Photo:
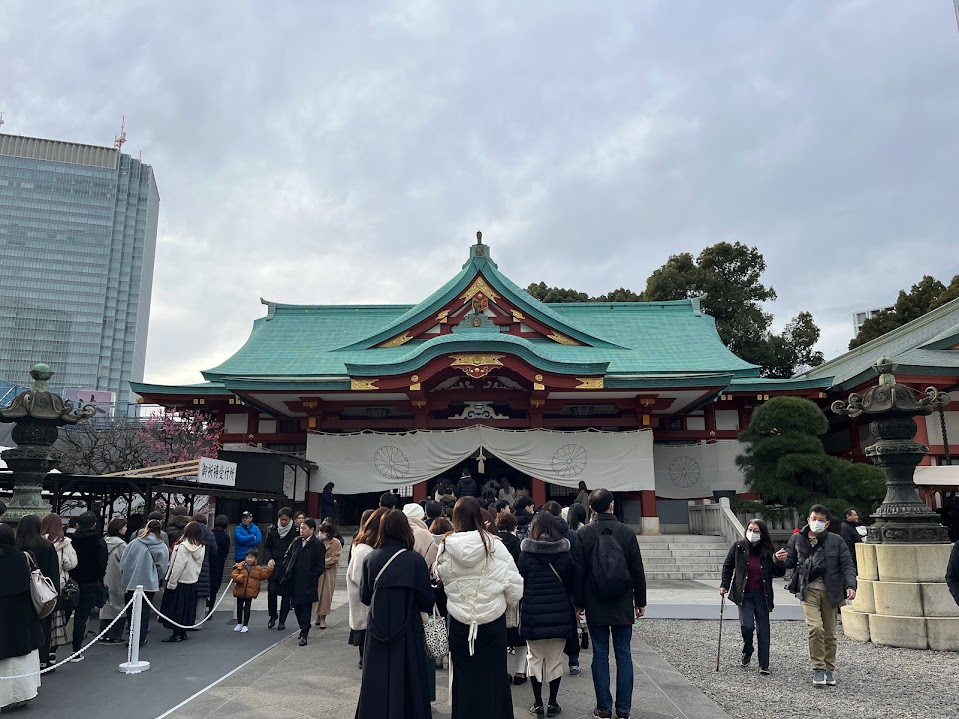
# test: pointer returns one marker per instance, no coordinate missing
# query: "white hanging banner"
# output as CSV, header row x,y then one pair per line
x,y
374,461
695,471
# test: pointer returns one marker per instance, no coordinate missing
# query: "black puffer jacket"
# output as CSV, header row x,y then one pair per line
x,y
466,487
546,612
204,585
736,570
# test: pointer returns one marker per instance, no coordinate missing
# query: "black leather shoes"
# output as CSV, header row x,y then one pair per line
x,y
281,627
271,624
302,641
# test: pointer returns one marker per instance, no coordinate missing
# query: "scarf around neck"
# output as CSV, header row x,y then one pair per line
x,y
283,531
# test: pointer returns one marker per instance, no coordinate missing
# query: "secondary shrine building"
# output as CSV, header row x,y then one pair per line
x,y
640,397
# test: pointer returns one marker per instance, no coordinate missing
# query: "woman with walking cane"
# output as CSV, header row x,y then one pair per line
x,y
748,578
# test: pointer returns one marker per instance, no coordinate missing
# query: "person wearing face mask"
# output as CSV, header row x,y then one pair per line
x,y
852,532
824,577
748,579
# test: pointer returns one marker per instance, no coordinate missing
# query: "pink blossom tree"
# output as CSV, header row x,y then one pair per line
x,y
181,435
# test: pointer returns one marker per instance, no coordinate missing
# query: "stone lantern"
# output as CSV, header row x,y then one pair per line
x,y
902,599
36,414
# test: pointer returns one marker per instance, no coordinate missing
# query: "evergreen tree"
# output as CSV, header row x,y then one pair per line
x,y
924,296
785,464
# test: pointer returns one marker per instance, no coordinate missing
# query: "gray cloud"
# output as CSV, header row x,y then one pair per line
x,y
346,153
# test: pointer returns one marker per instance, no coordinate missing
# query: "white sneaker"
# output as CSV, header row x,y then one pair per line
x,y
77,658
238,628
244,630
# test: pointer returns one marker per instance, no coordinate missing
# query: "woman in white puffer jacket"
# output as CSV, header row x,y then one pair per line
x,y
480,579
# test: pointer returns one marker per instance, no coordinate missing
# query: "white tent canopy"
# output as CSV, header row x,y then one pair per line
x,y
374,461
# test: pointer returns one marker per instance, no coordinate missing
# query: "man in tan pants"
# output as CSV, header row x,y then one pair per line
x,y
824,577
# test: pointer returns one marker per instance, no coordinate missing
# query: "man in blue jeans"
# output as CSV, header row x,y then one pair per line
x,y
611,587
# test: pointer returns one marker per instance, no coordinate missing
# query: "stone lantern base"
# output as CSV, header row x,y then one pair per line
x,y
902,599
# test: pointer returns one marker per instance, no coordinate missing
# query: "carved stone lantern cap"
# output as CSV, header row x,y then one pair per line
x,y
890,397
39,403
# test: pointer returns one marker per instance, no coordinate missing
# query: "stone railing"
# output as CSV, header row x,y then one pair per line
x,y
715,519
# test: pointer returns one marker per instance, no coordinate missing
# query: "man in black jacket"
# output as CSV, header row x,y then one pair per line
x,y
849,531
609,547
88,574
825,576
278,539
952,572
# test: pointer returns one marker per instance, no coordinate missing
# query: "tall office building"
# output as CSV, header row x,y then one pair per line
x,y
78,226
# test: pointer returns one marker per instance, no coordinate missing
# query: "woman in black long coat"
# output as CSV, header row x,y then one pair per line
x,y
396,587
21,635
300,581
44,554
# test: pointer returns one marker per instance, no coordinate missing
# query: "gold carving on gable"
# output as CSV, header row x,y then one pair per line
x,y
476,365
479,286
476,360
590,383
363,384
397,341
517,315
562,339
443,317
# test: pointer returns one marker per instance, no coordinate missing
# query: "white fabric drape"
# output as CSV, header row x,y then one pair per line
x,y
374,461
696,470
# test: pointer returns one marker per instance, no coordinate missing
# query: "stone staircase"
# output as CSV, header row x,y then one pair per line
x,y
682,556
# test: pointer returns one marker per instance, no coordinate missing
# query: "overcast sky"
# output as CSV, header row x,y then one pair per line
x,y
329,152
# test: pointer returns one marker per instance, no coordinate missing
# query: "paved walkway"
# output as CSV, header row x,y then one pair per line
x,y
264,674
322,680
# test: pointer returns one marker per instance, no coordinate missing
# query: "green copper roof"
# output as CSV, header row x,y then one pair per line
x,y
479,263
628,342
918,347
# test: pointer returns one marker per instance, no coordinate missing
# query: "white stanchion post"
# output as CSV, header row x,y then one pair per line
x,y
135,665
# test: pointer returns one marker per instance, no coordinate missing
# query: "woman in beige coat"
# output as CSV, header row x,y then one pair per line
x,y
327,534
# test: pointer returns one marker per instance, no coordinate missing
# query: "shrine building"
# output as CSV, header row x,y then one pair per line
x,y
640,397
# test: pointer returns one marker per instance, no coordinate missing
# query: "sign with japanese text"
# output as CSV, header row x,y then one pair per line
x,y
215,471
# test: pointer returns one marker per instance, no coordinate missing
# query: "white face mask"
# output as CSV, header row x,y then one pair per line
x,y
753,537
817,526
321,535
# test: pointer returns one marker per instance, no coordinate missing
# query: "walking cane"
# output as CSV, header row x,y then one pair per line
x,y
722,608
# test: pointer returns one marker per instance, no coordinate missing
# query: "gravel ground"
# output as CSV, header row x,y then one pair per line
x,y
873,682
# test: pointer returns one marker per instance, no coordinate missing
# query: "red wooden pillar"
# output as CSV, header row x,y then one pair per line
x,y
313,506
538,491
420,491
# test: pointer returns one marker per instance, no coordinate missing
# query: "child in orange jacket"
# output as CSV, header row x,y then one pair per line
x,y
247,576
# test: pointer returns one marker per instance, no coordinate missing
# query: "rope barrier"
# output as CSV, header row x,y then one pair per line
x,y
122,615
192,626
134,637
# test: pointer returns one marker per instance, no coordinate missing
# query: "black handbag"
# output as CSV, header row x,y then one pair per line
x,y
69,596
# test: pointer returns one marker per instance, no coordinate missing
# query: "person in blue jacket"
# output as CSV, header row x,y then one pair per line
x,y
246,536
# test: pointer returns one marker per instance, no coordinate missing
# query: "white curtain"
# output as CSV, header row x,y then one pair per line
x,y
374,461
694,471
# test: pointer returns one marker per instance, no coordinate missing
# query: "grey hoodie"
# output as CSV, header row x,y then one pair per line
x,y
145,560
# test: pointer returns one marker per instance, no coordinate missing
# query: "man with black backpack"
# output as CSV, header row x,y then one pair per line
x,y
611,587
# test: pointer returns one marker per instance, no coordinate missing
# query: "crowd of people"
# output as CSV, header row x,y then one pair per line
x,y
522,590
